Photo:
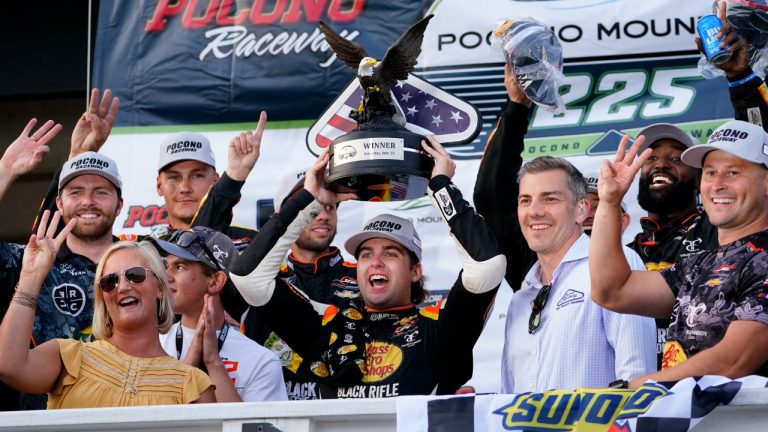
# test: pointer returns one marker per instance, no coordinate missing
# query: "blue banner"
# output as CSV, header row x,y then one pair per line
x,y
221,61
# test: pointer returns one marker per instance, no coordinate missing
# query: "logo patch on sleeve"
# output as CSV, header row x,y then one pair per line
x,y
445,203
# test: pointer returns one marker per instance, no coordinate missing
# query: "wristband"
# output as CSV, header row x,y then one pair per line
x,y
742,81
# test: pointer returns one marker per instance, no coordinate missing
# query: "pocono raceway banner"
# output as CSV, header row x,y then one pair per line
x,y
212,65
654,407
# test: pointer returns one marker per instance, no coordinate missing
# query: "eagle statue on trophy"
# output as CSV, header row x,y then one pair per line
x,y
378,111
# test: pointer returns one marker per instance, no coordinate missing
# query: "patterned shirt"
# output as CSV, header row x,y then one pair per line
x,y
65,302
717,287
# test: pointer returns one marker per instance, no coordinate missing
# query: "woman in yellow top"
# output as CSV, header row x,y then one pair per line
x,y
126,365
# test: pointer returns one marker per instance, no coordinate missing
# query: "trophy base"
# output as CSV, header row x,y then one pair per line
x,y
380,165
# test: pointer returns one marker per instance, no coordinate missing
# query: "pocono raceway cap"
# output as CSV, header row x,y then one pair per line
x,y
200,244
389,227
739,138
90,163
591,179
290,184
185,146
659,131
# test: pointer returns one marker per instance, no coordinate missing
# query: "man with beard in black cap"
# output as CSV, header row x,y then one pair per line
x,y
675,226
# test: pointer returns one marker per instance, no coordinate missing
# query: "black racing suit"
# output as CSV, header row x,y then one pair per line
x,y
496,190
215,211
749,99
407,350
329,280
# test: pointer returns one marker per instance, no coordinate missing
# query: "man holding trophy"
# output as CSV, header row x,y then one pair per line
x,y
383,345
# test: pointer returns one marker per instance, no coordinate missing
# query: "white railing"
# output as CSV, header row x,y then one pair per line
x,y
747,412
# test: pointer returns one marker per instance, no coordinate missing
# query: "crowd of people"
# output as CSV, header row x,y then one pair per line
x,y
202,311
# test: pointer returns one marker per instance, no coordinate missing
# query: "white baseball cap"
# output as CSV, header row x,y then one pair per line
x,y
185,146
90,163
659,131
290,183
390,227
739,138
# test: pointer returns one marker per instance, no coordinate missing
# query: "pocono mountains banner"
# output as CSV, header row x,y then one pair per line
x,y
212,65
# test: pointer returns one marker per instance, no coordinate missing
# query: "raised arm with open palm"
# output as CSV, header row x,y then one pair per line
x,y
31,371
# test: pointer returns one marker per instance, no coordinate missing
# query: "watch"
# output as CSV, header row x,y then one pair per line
x,y
619,384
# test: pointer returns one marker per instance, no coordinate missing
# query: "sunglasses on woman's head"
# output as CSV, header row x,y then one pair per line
x,y
134,275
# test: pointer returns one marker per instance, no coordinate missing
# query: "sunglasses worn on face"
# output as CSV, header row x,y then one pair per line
x,y
134,275
537,306
187,238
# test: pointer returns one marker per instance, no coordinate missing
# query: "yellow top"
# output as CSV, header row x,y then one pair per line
x,y
97,374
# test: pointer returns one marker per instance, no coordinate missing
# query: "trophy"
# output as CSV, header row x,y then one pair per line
x,y
379,160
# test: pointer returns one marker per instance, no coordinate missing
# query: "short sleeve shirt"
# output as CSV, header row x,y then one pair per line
x,y
717,287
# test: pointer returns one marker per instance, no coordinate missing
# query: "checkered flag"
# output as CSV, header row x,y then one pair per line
x,y
685,404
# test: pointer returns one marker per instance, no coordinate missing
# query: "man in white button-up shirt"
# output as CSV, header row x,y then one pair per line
x,y
567,341
563,340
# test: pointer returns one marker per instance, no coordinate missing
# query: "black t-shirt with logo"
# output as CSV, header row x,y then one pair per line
x,y
717,287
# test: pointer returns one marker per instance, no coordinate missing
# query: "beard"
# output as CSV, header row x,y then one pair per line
x,y
93,232
307,242
674,199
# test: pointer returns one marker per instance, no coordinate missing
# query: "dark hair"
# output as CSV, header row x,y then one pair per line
x,y
207,271
418,291
576,181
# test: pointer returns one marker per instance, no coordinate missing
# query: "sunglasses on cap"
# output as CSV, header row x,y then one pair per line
x,y
134,275
537,306
188,238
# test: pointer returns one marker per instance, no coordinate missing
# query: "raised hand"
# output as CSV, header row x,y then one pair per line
x,y
443,162
243,151
210,352
43,246
314,182
25,153
732,42
194,355
616,177
514,91
95,125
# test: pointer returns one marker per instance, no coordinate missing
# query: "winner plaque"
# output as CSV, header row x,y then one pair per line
x,y
379,160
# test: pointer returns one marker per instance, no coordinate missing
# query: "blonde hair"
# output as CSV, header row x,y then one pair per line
x,y
102,322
